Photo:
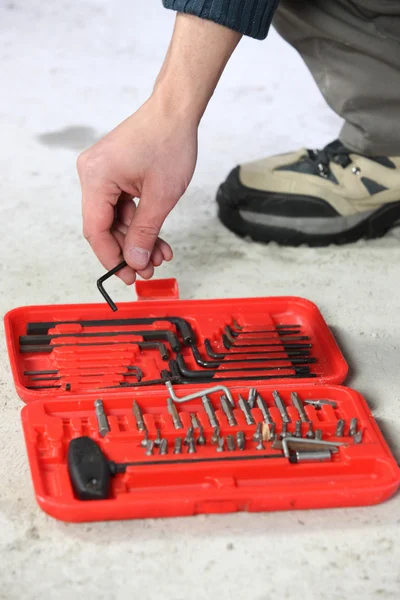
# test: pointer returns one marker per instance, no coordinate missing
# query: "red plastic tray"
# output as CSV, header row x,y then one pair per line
x,y
358,474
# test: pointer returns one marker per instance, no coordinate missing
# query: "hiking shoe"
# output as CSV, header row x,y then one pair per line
x,y
314,197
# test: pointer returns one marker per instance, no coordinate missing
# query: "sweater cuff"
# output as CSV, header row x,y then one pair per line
x,y
249,17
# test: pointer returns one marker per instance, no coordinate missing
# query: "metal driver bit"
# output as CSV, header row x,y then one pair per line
x,y
318,434
149,448
297,432
246,411
145,439
201,440
262,405
357,437
157,441
191,446
220,444
319,403
258,434
173,411
260,445
164,446
102,421
178,445
281,407
284,431
208,407
137,413
215,435
272,429
227,408
340,428
230,443
310,432
353,426
297,403
189,436
240,440
252,397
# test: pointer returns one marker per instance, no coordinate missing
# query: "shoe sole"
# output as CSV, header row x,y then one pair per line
x,y
288,231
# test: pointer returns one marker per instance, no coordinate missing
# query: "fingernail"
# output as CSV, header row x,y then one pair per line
x,y
139,256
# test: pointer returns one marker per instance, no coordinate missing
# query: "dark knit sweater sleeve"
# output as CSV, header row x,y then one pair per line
x,y
249,17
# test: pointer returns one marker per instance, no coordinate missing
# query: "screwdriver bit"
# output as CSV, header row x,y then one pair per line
x,y
284,432
102,421
164,446
246,411
201,440
220,444
252,397
173,411
260,445
178,445
340,428
299,407
191,446
310,432
230,443
145,439
226,407
189,436
137,413
208,407
240,440
215,435
297,432
258,434
262,405
149,448
318,434
157,441
357,437
353,426
281,407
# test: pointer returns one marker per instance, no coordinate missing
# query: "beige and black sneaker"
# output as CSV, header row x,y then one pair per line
x,y
330,196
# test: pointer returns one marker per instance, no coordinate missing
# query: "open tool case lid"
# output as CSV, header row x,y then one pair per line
x,y
60,367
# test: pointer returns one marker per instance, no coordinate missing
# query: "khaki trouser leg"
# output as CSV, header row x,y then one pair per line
x,y
352,48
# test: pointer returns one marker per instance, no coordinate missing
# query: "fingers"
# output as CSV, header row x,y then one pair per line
x,y
143,232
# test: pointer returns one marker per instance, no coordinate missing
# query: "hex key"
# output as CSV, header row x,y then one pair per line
x,y
104,278
295,359
183,326
141,345
197,374
280,330
169,336
282,342
290,347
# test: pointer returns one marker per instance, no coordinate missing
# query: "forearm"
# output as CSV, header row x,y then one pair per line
x,y
197,55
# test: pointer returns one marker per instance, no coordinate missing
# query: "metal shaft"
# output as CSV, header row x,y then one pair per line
x,y
208,407
340,428
281,407
230,443
201,440
102,421
173,411
217,388
240,440
178,445
137,413
243,405
164,446
226,407
252,397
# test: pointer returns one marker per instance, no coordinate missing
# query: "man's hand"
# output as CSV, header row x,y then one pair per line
x,y
152,155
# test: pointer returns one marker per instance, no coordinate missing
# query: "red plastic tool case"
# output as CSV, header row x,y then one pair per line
x,y
359,474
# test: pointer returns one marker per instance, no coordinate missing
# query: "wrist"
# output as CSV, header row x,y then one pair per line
x,y
177,99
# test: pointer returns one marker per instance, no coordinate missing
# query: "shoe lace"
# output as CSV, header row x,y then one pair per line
x,y
334,152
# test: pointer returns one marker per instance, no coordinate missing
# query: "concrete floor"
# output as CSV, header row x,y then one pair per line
x,y
70,71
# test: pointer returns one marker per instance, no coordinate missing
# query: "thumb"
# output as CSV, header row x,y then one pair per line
x,y
143,233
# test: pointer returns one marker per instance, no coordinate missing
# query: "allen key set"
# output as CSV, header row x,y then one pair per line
x,y
182,407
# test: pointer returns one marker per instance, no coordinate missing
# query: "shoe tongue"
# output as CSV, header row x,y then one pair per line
x,y
336,147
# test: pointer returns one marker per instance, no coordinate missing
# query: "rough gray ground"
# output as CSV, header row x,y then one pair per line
x,y
70,71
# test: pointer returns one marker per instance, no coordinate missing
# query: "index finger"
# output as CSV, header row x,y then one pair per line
x,y
98,217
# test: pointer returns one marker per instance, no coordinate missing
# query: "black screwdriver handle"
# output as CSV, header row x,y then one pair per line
x,y
88,469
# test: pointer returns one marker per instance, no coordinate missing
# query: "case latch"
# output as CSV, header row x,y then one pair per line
x,y
157,289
